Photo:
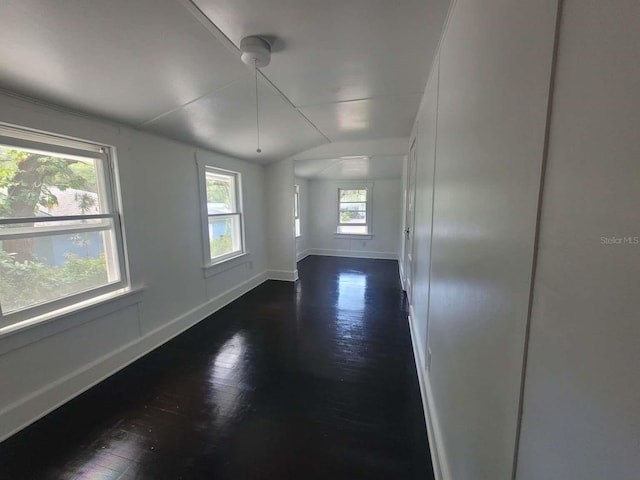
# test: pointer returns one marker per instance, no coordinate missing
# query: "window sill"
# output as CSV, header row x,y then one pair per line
x,y
42,326
224,265
358,236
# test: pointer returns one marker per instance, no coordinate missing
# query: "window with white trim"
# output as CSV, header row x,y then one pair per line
x,y
296,209
224,214
60,232
354,210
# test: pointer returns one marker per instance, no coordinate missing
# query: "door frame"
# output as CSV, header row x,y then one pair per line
x,y
409,221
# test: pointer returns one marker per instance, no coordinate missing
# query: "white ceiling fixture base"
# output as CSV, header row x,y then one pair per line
x,y
256,51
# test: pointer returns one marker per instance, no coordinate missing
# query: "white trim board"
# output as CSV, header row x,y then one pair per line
x,y
27,410
353,254
283,275
302,255
436,445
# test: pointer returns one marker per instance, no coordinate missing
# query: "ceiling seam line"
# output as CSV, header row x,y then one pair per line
x,y
197,13
334,157
333,162
179,107
296,108
375,97
212,28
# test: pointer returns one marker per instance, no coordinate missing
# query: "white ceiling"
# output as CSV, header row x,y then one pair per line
x,y
370,159
370,168
341,71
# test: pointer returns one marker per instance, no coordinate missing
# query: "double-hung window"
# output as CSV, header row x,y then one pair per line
x,y
354,210
296,209
60,233
224,214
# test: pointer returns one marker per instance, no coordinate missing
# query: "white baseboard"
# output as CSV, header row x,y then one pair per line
x,y
27,410
418,348
436,445
302,255
353,254
283,275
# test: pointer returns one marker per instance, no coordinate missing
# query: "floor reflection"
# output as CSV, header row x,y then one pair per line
x,y
228,371
111,457
350,315
352,287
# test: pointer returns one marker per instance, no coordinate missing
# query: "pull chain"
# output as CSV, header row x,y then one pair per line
x,y
255,73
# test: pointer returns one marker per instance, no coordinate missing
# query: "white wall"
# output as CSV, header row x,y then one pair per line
x,y
44,366
581,417
484,113
279,178
304,240
386,220
489,96
425,135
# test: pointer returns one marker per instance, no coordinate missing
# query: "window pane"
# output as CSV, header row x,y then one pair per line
x,y
49,267
35,183
221,195
297,224
359,195
224,235
360,207
353,216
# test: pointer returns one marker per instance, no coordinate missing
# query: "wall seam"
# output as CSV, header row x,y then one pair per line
x,y
433,199
536,241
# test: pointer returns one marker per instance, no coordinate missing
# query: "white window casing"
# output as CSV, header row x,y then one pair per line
x,y
222,217
354,200
73,238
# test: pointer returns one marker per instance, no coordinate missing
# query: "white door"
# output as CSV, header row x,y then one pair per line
x,y
409,221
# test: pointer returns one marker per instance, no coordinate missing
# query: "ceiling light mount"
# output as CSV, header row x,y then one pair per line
x,y
256,51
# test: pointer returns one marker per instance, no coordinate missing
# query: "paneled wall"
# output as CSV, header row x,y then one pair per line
x,y
582,393
425,148
480,142
280,237
528,258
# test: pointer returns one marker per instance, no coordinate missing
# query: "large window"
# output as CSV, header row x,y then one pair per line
x,y
296,209
354,211
224,216
60,238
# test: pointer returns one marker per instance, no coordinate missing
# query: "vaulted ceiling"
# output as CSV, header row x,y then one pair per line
x,y
342,71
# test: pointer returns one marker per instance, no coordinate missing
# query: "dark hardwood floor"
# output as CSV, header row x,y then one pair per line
x,y
305,381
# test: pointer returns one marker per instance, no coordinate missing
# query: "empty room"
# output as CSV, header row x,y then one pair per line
x,y
357,239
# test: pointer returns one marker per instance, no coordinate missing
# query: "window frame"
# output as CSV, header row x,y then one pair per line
x,y
297,226
209,262
368,212
22,137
